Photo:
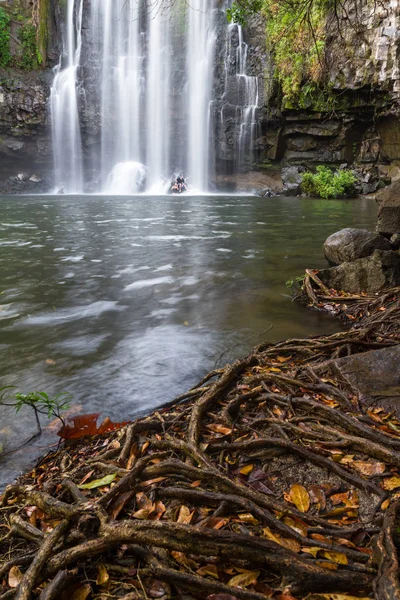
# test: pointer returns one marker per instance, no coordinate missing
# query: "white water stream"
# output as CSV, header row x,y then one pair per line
x,y
142,76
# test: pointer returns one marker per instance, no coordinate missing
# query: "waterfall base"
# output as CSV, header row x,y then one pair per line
x,y
126,178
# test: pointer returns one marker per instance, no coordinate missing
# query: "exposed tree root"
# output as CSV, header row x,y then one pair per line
x,y
268,479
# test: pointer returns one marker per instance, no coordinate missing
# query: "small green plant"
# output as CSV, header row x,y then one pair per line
x,y
240,12
40,402
326,183
5,55
295,283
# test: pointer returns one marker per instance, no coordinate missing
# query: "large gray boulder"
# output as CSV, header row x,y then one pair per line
x,y
371,274
389,209
350,244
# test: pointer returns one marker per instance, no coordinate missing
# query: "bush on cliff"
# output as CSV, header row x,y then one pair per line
x,y
326,183
5,55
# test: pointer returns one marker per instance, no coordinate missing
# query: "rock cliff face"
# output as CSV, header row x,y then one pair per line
x,y
357,122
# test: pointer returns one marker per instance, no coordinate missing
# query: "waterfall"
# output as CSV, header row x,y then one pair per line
x,y
66,136
131,99
243,95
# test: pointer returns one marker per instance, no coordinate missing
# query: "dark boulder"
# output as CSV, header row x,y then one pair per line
x,y
389,209
371,274
350,244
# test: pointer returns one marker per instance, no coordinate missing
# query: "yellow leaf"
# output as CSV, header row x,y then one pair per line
x,y
313,550
142,513
290,543
82,593
102,575
296,524
385,504
337,557
247,469
392,483
283,359
244,579
300,497
248,518
14,577
326,565
275,369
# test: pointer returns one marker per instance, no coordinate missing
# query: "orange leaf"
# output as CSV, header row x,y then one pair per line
x,y
246,470
219,428
14,577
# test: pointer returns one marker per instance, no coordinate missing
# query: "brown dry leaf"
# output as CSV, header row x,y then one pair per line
x,y
208,570
369,468
385,504
82,593
337,557
86,477
217,428
246,470
102,576
299,496
244,579
134,453
142,513
151,481
196,483
157,590
391,483
274,370
184,515
50,361
317,496
283,359
297,525
342,498
14,577
183,560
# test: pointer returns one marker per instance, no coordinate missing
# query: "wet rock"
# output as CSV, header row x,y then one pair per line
x,y
35,179
350,244
376,375
389,209
371,274
395,241
292,178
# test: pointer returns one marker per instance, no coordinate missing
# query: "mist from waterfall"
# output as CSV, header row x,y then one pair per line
x,y
142,76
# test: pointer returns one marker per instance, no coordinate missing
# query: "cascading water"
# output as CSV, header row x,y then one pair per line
x,y
64,107
140,81
244,95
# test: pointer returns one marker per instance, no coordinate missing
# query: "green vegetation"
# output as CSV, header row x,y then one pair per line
x,y
295,283
5,55
40,402
296,31
326,183
29,58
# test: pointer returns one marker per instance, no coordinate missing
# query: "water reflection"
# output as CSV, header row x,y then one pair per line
x,y
134,299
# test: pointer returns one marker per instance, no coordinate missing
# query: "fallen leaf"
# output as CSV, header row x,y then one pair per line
x,y
82,593
391,483
244,579
102,575
385,504
195,483
299,496
297,525
14,577
183,560
283,359
208,570
246,470
86,425
369,468
50,361
184,515
337,557
326,565
290,543
219,428
106,480
248,518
